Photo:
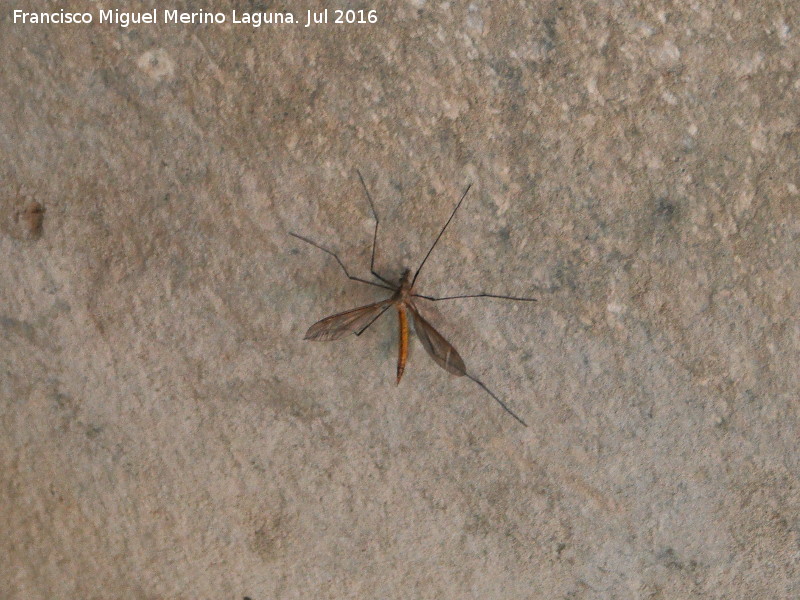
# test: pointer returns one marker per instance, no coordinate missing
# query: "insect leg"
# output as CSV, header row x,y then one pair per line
x,y
481,295
375,235
378,316
341,264
453,214
496,399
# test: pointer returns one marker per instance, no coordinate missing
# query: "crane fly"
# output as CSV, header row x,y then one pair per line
x,y
403,298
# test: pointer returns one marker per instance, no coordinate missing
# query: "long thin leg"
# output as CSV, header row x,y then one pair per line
x,y
453,214
378,316
375,235
435,299
496,399
341,264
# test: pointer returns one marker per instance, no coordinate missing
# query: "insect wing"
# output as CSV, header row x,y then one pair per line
x,y
339,325
439,348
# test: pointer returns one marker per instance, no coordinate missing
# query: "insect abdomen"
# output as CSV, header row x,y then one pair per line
x,y
403,347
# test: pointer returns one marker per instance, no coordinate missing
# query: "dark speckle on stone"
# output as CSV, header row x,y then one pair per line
x,y
665,209
32,219
16,327
669,559
507,70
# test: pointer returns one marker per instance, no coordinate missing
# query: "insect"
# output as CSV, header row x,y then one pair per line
x,y
404,299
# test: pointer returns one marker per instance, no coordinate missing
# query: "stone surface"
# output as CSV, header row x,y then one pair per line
x,y
165,432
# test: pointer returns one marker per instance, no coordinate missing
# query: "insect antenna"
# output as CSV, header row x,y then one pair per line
x,y
464,195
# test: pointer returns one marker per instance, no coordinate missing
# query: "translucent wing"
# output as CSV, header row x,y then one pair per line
x,y
439,348
351,321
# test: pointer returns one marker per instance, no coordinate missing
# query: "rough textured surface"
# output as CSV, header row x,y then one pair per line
x,y
166,433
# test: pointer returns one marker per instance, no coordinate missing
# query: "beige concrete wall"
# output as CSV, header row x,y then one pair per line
x,y
165,432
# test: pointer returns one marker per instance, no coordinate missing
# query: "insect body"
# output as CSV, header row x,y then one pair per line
x,y
358,319
403,298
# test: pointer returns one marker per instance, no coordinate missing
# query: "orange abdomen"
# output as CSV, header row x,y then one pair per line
x,y
403,346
